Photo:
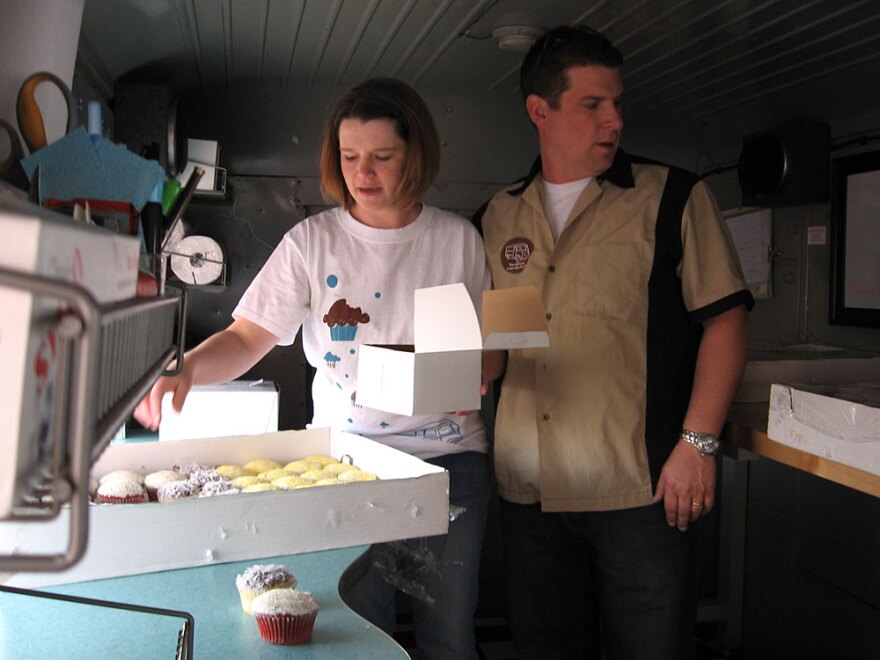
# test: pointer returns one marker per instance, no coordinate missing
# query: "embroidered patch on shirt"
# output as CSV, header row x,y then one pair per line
x,y
516,253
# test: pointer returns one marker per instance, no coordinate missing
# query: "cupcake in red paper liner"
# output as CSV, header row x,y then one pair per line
x,y
121,491
155,480
343,320
285,616
257,580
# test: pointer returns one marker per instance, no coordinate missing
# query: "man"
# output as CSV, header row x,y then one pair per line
x,y
605,441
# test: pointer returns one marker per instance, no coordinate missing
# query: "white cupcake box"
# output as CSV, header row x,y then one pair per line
x,y
441,370
410,499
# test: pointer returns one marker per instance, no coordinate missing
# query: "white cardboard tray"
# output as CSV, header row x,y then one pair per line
x,y
411,499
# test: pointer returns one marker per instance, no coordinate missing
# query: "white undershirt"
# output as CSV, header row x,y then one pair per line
x,y
559,199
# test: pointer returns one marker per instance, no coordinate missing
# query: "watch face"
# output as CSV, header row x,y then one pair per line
x,y
706,443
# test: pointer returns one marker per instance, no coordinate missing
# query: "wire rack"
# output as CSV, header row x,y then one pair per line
x,y
108,356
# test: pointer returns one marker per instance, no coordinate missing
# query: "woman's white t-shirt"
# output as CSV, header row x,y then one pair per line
x,y
346,284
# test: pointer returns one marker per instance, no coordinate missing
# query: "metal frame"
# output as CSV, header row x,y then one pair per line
x,y
97,389
185,637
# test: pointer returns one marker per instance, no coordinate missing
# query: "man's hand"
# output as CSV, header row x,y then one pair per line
x,y
686,486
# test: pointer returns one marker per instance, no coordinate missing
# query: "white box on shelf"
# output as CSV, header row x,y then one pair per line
x,y
213,180
45,243
838,422
240,407
441,371
410,499
203,151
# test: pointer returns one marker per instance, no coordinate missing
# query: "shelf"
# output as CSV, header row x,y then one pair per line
x,y
108,357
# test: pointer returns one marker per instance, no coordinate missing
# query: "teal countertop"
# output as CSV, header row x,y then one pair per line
x,y
39,628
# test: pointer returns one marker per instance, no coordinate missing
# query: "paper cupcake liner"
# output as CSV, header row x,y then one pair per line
x,y
128,499
286,628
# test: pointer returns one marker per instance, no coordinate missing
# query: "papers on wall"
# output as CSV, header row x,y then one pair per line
x,y
751,231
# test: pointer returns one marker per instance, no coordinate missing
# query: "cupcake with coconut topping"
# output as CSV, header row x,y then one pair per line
x,y
259,579
286,616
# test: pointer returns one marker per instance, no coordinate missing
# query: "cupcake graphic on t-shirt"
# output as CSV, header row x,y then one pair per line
x,y
343,320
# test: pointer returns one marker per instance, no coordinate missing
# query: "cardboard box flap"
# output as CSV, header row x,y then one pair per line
x,y
445,320
514,318
849,413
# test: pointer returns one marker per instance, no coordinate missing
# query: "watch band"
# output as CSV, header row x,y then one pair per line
x,y
706,443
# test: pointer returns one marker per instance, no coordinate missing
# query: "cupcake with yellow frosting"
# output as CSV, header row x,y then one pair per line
x,y
338,468
259,487
317,458
233,471
272,475
246,481
357,475
300,466
259,465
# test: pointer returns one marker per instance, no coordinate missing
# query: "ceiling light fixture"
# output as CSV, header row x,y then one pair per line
x,y
517,38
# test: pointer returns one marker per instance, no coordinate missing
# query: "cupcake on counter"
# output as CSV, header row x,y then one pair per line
x,y
285,616
259,579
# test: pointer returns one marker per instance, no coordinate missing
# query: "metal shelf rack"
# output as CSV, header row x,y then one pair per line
x,y
108,358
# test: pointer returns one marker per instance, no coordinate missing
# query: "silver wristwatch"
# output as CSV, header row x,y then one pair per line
x,y
706,443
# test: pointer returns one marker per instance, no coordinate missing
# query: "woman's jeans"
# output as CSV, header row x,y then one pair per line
x,y
439,573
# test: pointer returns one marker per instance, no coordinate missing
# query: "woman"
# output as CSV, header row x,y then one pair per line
x,y
347,276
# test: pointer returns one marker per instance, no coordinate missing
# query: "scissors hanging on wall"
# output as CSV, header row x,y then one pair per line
x,y
31,125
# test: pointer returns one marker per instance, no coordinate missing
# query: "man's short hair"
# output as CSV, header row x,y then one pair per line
x,y
545,66
383,98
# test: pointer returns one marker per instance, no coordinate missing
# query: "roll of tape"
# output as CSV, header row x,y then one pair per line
x,y
197,260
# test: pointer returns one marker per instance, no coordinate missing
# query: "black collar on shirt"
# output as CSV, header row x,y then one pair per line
x,y
620,173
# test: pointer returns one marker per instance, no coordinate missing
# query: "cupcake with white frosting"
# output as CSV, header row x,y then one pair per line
x,y
285,616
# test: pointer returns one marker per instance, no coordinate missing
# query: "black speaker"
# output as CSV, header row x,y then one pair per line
x,y
787,166
145,120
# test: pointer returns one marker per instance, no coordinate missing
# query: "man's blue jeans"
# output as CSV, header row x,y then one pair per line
x,y
441,573
620,581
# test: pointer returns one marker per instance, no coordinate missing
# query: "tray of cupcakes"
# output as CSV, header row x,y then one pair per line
x,y
240,498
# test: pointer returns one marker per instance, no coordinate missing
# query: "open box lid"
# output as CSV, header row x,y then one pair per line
x,y
514,318
445,320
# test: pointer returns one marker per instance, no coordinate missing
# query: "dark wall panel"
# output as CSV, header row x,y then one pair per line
x,y
248,227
